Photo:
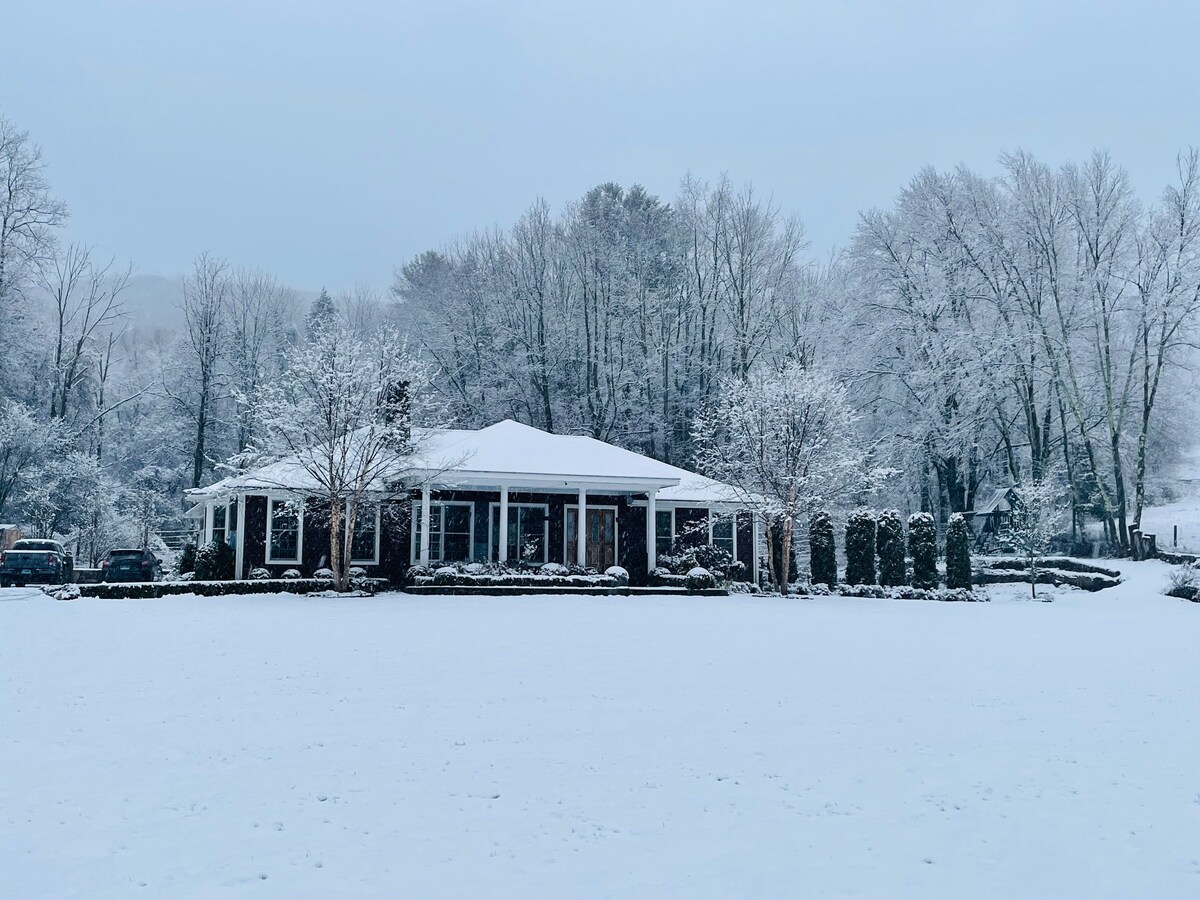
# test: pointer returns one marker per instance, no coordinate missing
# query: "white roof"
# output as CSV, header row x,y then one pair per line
x,y
508,454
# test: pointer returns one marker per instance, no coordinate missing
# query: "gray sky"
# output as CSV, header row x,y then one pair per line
x,y
328,142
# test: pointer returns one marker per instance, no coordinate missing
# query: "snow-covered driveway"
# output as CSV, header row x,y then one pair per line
x,y
630,747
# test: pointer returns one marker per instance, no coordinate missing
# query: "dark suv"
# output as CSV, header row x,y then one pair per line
x,y
68,561
130,565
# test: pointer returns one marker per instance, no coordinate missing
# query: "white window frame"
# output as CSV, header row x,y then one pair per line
x,y
671,511
415,550
569,550
494,516
374,561
732,517
271,560
212,522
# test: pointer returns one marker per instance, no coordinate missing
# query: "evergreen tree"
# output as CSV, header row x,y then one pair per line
x,y
860,548
958,553
321,315
889,543
922,547
822,558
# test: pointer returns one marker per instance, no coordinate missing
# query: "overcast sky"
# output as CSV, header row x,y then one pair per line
x,y
329,142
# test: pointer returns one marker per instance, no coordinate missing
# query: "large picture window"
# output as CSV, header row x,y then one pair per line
x,y
664,531
284,523
723,534
364,544
528,532
450,532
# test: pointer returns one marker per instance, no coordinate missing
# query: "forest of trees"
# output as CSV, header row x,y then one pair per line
x,y
983,330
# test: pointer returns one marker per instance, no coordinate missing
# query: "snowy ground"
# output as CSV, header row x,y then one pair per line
x,y
628,747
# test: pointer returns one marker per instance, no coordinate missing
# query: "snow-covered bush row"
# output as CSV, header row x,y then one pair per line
x,y
494,574
61,591
154,589
878,592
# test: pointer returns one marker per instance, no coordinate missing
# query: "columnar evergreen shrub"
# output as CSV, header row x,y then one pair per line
x,y
187,559
860,548
922,547
214,562
958,553
822,553
889,543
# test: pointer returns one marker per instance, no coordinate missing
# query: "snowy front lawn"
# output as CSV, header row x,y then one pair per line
x,y
601,746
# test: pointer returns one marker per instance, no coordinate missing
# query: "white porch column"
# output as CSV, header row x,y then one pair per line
x,y
424,551
581,530
754,529
239,551
206,529
503,549
651,531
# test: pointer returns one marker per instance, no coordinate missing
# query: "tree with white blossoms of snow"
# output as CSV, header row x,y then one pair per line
x,y
1038,514
341,414
785,440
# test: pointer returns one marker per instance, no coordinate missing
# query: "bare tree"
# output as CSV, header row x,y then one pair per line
x,y
86,299
258,309
28,212
204,305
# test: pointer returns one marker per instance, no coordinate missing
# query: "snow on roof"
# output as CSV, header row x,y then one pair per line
x,y
997,502
508,453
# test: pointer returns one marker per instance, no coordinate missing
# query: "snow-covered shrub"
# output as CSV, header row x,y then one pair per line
x,y
717,560
700,579
291,574
958,553
445,575
357,572
922,547
860,548
186,576
475,568
619,573
258,573
553,568
323,574
889,544
1185,582
62,591
214,562
187,559
822,552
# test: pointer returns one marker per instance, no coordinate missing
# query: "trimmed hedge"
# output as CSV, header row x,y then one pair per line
x,y
822,562
860,548
958,553
149,590
922,547
889,544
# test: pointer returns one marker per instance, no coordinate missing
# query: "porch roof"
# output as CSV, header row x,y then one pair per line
x,y
506,454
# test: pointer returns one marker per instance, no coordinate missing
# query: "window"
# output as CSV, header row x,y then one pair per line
x,y
218,523
364,545
723,534
284,519
664,531
528,532
450,532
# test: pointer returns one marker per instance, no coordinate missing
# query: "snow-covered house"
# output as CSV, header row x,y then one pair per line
x,y
471,487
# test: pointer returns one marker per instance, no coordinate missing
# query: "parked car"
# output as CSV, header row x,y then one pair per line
x,y
22,567
68,560
130,565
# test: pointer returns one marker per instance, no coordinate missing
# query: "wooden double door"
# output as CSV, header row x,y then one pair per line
x,y
599,537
